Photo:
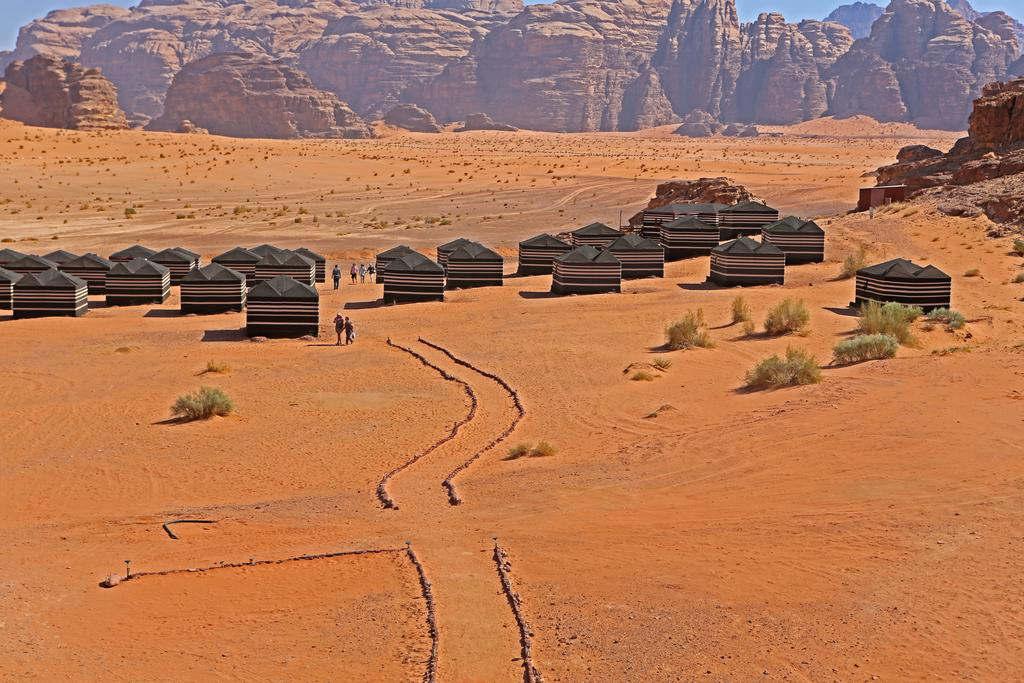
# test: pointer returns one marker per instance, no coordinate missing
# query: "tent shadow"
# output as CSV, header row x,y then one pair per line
x,y
699,286
538,295
847,311
224,335
363,305
163,313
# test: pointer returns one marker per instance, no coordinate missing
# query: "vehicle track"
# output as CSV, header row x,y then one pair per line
x,y
504,566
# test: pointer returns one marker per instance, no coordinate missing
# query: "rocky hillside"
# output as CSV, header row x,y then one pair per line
x,y
50,92
572,65
858,17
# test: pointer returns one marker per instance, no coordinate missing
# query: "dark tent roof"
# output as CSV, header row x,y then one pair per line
x,y
264,249
596,230
60,256
587,254
792,224
282,287
691,222
747,206
139,266
544,240
89,260
310,254
183,250
634,241
902,268
31,261
173,254
49,279
745,245
9,255
238,254
8,276
414,262
285,258
134,251
693,208
395,252
455,244
474,251
214,272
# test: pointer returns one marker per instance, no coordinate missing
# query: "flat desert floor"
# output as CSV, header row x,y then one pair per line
x,y
868,527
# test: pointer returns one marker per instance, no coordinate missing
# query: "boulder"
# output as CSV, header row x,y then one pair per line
x,y
481,121
699,124
412,118
917,153
739,130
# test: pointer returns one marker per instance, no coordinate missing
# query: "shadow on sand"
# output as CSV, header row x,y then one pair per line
x,y
363,305
163,313
538,295
699,286
234,335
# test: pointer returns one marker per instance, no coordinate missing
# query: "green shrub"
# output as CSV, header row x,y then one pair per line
x,y
740,310
951,319
1018,247
543,450
202,405
789,316
518,451
690,332
892,319
852,263
797,368
865,347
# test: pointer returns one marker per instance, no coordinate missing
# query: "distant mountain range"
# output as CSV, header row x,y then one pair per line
x,y
573,65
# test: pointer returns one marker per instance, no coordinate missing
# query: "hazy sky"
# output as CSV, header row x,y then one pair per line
x,y
15,13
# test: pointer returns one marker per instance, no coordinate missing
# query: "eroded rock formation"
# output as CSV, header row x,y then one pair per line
x,y
413,118
719,190
858,17
51,92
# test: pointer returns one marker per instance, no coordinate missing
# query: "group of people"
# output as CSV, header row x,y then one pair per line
x,y
344,325
361,272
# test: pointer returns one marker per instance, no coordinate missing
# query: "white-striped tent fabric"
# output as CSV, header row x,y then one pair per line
x,y
802,241
688,236
640,257
905,282
8,256
586,270
131,283
596,235
319,260
287,263
282,307
537,254
386,257
745,219
240,260
213,289
7,280
91,268
50,293
30,263
653,219
447,248
60,257
131,253
177,260
412,278
743,262
474,265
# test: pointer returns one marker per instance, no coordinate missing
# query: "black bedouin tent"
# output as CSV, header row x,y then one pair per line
x,y
91,268
178,260
131,253
653,219
264,249
904,282
586,270
802,241
60,257
537,254
411,278
7,280
213,289
447,248
50,293
743,261
282,307
287,263
386,257
240,260
596,235
8,256
688,236
474,265
30,263
319,260
640,257
745,219
140,281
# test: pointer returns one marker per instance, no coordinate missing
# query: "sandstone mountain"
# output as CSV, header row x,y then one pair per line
x,y
254,96
48,91
858,17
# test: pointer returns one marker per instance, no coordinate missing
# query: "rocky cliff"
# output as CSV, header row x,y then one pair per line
x,y
54,93
858,17
254,96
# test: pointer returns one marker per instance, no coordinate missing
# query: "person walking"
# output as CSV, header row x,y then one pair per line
x,y
336,274
371,271
350,331
353,272
362,273
339,320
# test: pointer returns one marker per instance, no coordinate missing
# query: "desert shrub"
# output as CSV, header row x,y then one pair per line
x,y
797,368
518,451
852,263
951,319
740,310
662,363
973,272
788,316
1018,247
203,404
892,319
748,328
543,450
1020,278
689,332
865,347
216,368
642,376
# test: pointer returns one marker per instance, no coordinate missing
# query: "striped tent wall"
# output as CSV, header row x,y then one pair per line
x,y
7,280
273,309
927,286
687,237
586,271
301,272
320,262
654,219
594,235
475,266
179,262
803,244
219,292
241,261
536,256
743,262
445,249
640,262
386,257
50,293
125,288
92,269
745,219
413,278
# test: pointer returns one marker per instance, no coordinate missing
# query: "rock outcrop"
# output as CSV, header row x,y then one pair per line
x,y
481,121
254,96
412,118
54,93
699,124
858,17
719,190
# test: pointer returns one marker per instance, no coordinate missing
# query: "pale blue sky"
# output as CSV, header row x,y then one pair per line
x,y
15,13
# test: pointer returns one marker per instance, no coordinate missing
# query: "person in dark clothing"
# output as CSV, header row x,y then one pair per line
x,y
350,331
354,272
336,274
371,270
339,322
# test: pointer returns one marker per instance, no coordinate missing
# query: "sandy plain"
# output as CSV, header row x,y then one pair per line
x,y
864,528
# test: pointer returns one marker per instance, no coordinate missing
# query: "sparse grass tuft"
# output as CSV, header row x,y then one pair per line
x,y
518,451
749,328
973,272
662,363
215,368
1018,247
642,376
203,404
951,319
892,319
689,332
543,450
740,310
865,347
788,317
852,263
1020,278
797,368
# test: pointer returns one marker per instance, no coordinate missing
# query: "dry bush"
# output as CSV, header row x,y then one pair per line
x,y
543,450
518,451
797,368
662,363
642,377
787,317
213,367
953,320
1020,278
973,272
1018,247
865,347
689,332
852,263
202,405
740,310
892,319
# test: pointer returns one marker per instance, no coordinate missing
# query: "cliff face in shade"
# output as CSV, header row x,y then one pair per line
x,y
923,63
254,96
48,91
858,17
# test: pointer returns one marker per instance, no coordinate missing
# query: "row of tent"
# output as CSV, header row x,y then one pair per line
x,y
743,219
